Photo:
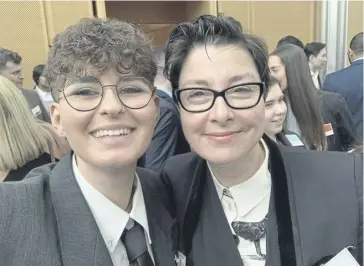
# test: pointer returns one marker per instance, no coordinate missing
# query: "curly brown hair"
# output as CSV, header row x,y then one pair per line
x,y
102,44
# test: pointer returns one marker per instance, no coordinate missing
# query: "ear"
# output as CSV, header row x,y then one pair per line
x,y
157,104
311,58
56,119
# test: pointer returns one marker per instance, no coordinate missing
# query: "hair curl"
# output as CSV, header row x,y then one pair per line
x,y
102,44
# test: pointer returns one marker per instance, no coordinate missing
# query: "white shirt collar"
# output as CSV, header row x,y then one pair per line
x,y
112,220
252,191
360,58
45,96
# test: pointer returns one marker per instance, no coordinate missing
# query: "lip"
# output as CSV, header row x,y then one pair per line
x,y
222,137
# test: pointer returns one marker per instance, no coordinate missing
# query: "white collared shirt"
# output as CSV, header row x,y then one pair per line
x,y
112,220
46,97
250,203
315,79
360,58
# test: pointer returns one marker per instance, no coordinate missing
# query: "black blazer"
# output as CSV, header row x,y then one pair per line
x,y
168,138
335,110
21,172
45,220
315,208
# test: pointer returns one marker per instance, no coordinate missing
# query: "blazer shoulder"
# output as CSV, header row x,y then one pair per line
x,y
180,164
21,200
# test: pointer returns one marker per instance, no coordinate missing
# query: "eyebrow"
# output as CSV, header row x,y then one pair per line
x,y
242,77
232,79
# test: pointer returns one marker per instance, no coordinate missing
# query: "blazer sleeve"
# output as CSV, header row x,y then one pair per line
x,y
345,124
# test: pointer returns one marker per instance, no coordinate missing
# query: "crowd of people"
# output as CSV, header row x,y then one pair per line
x,y
208,151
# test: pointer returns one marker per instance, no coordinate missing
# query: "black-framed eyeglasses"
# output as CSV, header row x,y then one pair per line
x,y
241,96
86,93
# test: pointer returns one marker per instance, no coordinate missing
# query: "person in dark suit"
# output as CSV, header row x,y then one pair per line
x,y
240,198
317,59
11,68
94,207
168,138
349,83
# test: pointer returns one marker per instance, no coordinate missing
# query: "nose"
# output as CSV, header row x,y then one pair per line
x,y
110,103
220,112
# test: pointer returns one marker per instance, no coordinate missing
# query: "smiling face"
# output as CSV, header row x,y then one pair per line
x,y
111,135
221,134
275,110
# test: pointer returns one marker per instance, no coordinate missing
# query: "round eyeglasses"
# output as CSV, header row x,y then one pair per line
x,y
242,96
86,93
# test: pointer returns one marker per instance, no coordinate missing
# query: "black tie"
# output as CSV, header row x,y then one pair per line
x,y
136,246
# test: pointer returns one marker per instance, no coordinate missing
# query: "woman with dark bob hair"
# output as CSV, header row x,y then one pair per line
x,y
240,198
322,119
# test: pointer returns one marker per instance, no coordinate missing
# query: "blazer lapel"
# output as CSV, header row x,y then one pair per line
x,y
212,240
163,229
283,209
80,240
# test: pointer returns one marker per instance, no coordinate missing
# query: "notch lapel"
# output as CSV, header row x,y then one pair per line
x,y
163,229
80,240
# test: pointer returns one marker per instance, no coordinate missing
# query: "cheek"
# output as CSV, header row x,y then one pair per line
x,y
192,124
268,114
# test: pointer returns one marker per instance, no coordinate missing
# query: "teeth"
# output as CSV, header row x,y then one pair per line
x,y
117,132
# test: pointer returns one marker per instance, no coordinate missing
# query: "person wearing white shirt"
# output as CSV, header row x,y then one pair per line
x,y
317,59
241,198
42,87
94,206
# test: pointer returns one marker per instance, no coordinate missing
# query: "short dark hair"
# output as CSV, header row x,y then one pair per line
x,y
37,72
102,44
208,29
291,40
313,48
8,55
356,43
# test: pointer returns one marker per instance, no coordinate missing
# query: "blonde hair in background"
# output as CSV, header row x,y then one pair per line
x,y
22,137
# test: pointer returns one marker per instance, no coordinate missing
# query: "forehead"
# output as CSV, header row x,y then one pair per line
x,y
274,61
274,92
218,65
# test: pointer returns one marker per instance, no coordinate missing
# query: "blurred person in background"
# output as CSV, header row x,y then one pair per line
x,y
317,59
322,120
42,86
349,83
275,114
25,141
11,68
168,138
291,40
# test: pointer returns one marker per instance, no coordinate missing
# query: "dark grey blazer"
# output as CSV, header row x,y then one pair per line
x,y
315,208
34,100
45,220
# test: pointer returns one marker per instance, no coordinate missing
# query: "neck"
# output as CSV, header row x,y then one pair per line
x,y
271,136
239,171
114,183
312,68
